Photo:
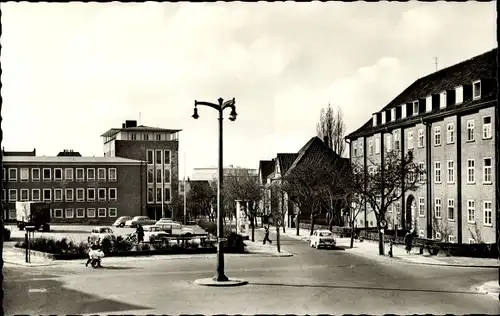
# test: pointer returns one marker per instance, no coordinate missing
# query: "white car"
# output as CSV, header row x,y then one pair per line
x,y
100,233
175,228
322,238
120,221
143,220
154,233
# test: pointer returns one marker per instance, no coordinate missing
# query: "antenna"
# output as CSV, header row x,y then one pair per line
x,y
436,62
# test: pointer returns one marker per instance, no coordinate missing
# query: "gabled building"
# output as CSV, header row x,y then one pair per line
x,y
446,120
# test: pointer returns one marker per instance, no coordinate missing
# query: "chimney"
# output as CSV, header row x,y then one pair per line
x,y
326,141
123,125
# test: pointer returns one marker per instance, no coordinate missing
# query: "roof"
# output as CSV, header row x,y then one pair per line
x,y
69,160
266,167
286,161
479,67
140,128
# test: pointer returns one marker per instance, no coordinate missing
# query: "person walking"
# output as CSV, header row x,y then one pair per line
x,y
266,236
140,233
408,242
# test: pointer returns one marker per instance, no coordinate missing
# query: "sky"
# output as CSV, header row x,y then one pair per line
x,y
73,71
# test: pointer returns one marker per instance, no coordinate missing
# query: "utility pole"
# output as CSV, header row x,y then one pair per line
x,y
436,63
184,183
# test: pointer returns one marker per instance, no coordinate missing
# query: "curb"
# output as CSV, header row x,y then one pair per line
x,y
24,264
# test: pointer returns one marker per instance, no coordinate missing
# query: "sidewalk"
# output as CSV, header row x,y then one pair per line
x,y
490,288
13,256
258,247
370,248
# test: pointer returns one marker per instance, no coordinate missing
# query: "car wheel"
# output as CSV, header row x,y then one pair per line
x,y
121,225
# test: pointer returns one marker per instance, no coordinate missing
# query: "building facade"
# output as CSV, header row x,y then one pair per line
x,y
211,173
446,120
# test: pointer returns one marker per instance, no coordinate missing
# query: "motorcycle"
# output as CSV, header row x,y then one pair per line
x,y
95,258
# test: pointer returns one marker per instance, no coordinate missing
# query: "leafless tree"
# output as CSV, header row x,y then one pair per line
x,y
440,226
199,199
331,124
384,183
475,234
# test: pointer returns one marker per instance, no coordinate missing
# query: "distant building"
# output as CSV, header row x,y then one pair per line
x,y
211,173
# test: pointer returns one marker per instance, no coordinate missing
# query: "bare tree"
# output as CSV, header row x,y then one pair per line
x,y
381,185
475,234
199,199
331,125
441,227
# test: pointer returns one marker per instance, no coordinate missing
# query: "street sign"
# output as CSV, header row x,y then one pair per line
x,y
222,239
383,223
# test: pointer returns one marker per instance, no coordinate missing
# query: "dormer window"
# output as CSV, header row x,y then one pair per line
x,y
442,100
393,114
374,119
459,95
403,111
383,118
476,90
415,108
428,104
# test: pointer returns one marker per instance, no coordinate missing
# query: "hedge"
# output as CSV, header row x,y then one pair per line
x,y
234,243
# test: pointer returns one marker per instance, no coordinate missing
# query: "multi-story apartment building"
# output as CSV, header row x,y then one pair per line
x,y
446,120
211,173
159,148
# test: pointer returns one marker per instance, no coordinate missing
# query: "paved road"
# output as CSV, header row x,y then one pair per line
x,y
311,282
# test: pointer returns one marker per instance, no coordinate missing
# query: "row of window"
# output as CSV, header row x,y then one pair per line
x,y
161,195
471,171
57,174
158,157
160,174
60,195
73,213
450,138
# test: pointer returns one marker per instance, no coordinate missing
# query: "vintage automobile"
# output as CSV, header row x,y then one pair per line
x,y
100,233
322,238
143,220
120,221
175,228
154,233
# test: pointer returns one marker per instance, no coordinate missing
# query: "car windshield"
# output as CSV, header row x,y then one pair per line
x,y
136,218
106,230
325,234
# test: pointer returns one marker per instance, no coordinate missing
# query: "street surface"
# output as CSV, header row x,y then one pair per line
x,y
311,282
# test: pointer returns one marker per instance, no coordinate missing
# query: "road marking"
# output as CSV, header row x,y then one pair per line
x,y
37,290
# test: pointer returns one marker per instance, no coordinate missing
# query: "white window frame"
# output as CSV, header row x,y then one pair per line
x,y
109,194
12,214
421,233
112,212
397,144
443,100
388,143
59,179
82,178
451,206
421,207
82,199
488,208
471,210
27,172
159,176
421,176
474,95
438,236
99,194
150,170
487,128
89,199
437,176
4,174
66,195
99,210
169,178
101,171
169,157
421,138
70,176
77,212
377,146
91,212
60,199
471,241
459,95
470,130
112,179
411,144
169,189
450,171
416,108
156,195
69,211
153,195
50,195
152,156
451,239
437,136
49,179
485,169
90,174
33,195
450,133
438,210
12,179
56,211
355,149
471,171
27,191
160,158
158,137
33,178
370,147
4,195
428,104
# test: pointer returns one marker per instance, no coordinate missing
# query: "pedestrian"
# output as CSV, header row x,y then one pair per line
x,y
140,233
266,236
408,242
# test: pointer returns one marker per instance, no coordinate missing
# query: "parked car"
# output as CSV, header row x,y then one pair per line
x,y
143,220
154,233
100,233
322,238
120,222
175,228
166,221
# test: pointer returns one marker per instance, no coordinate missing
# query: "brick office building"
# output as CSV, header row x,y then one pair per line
x,y
446,120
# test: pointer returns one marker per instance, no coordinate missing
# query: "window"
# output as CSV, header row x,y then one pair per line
x,y
377,145
145,136
451,209
58,195
25,174
80,195
80,213
101,174
451,238
370,147
451,171
476,90
35,195
167,157
150,195
437,172
47,174
167,195
158,176
437,136
470,130
47,194
450,133
69,213
90,194
415,108
4,174
133,136
102,194
420,138
101,212
68,174
471,211
158,157
58,174
471,171
421,169
149,154
438,208
12,174
58,213
91,212
388,143
421,233
471,241
355,146
487,214
150,175
396,141
90,174
12,214
35,174
487,127
4,195
442,100
166,175
487,170
438,236
421,207
112,194
112,174
158,136
459,95
80,176
112,212
158,195
25,195
69,195
410,140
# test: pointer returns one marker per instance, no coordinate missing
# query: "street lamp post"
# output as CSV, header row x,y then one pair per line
x,y
219,276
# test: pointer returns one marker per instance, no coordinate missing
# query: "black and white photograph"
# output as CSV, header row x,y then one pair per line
x,y
242,158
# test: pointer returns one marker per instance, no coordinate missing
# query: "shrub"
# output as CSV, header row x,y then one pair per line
x,y
235,243
6,234
143,247
121,244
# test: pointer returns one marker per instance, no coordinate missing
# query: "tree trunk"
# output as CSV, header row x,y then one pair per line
x,y
297,223
252,220
330,223
278,236
352,234
283,223
380,242
312,224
